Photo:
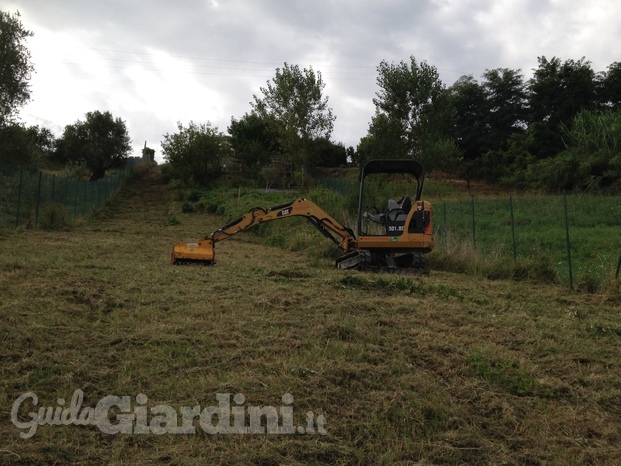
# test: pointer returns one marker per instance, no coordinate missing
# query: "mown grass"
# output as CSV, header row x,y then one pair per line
x,y
445,369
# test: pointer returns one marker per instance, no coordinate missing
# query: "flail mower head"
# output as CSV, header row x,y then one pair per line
x,y
201,253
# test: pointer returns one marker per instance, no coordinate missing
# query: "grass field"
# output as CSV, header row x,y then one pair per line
x,y
445,369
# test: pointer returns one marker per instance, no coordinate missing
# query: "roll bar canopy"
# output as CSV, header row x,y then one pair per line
x,y
406,166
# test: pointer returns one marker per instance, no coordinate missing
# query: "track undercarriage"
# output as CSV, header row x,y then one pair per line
x,y
409,263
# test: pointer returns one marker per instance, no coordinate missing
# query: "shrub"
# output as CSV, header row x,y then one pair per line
x,y
187,207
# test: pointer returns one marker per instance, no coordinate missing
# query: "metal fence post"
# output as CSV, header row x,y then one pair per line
x,y
66,191
38,199
571,276
474,231
19,196
77,196
445,215
85,198
512,228
53,187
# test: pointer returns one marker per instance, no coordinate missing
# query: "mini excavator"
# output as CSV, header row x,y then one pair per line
x,y
400,237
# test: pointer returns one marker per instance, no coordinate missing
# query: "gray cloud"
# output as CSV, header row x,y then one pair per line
x,y
157,62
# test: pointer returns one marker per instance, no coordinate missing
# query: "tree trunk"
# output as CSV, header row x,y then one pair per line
x,y
98,173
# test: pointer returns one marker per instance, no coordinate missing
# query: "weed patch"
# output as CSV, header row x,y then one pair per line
x,y
55,217
509,376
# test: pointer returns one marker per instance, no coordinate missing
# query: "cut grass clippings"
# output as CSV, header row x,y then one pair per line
x,y
445,369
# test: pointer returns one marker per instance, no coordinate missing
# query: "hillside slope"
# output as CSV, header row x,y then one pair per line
x,y
446,369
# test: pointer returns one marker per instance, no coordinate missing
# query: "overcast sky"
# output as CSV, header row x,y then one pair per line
x,y
154,63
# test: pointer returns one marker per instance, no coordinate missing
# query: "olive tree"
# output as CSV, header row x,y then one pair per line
x,y
100,142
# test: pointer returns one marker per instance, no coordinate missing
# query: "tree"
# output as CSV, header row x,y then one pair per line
x,y
15,66
255,141
470,128
25,146
383,141
610,87
294,101
506,105
328,153
100,142
592,159
558,91
504,121
195,152
415,103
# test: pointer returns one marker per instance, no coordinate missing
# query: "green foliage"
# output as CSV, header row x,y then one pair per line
x,y
537,268
294,101
328,154
557,92
470,104
25,146
268,174
403,285
15,66
610,87
255,140
75,170
533,135
101,142
194,153
506,113
592,159
383,140
416,108
171,219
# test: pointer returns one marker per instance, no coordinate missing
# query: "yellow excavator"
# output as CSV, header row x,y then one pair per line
x,y
398,241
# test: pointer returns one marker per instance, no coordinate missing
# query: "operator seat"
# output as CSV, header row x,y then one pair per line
x,y
397,215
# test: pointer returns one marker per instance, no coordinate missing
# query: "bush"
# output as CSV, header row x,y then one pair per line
x,y
187,207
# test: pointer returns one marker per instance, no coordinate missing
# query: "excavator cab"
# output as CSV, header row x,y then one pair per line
x,y
400,236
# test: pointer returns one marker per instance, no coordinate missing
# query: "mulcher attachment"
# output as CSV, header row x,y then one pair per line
x,y
201,253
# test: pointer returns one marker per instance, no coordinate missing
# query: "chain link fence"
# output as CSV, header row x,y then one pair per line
x,y
27,194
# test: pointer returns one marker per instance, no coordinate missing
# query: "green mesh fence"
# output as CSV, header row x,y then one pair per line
x,y
25,194
580,233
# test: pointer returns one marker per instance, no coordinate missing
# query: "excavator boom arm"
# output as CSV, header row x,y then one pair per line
x,y
203,251
300,207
